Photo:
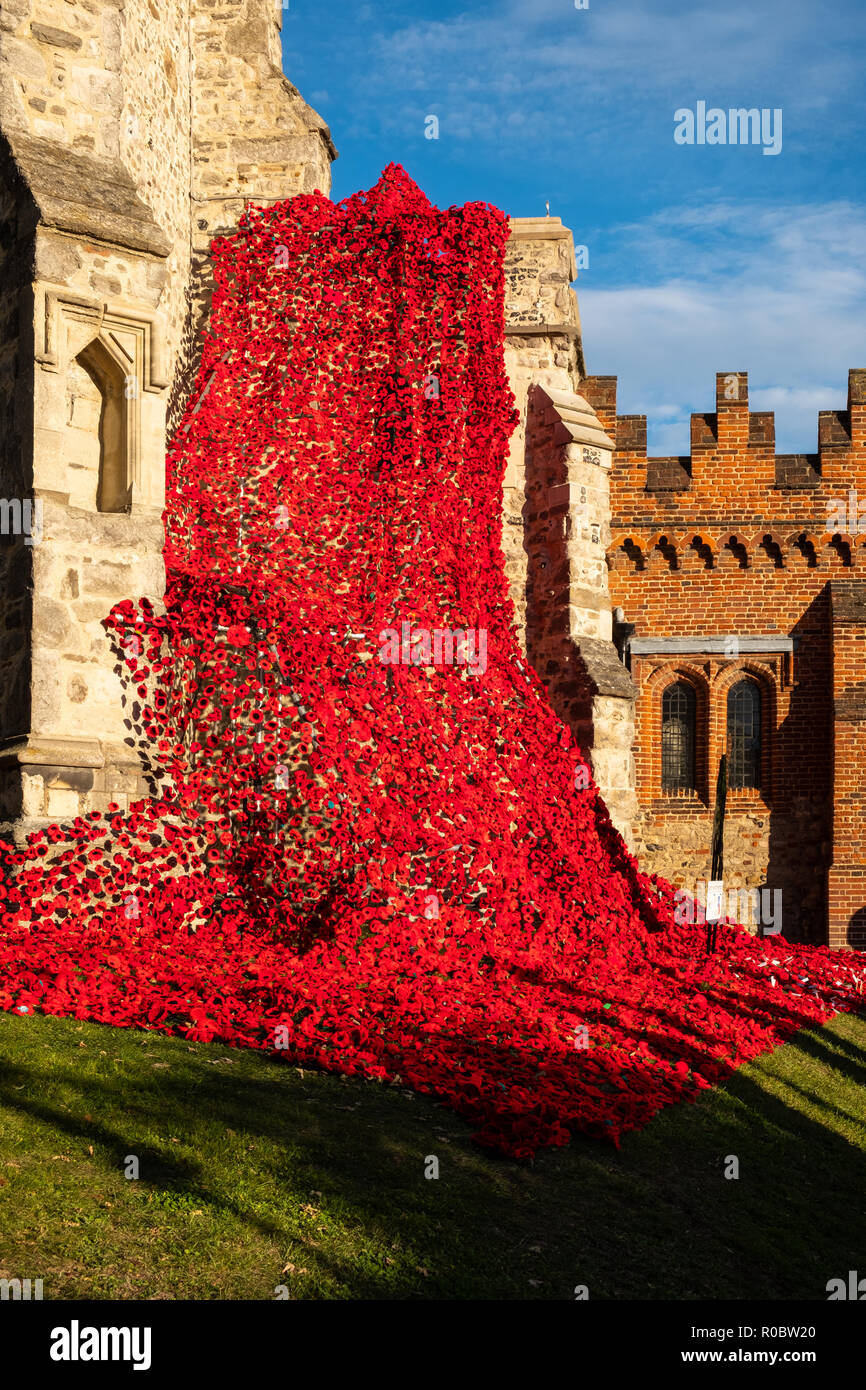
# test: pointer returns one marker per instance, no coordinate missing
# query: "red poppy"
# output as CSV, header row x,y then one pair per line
x,y
235,909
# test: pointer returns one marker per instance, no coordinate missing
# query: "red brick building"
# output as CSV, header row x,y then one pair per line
x,y
740,574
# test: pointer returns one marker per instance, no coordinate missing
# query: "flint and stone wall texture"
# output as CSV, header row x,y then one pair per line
x,y
183,107
253,139
130,134
736,542
556,511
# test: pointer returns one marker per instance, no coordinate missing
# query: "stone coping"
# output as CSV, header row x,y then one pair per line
x,y
604,668
579,418
708,646
52,752
92,198
544,229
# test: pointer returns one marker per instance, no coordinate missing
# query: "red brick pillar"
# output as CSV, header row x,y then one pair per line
x,y
847,876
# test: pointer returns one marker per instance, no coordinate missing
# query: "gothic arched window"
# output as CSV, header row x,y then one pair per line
x,y
744,734
678,738
107,389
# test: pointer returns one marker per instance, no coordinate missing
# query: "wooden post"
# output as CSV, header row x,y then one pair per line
x,y
717,871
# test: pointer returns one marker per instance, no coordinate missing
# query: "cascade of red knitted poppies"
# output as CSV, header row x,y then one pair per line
x,y
371,844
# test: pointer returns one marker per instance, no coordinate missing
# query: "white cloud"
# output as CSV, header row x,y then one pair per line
x,y
553,60
537,100
786,300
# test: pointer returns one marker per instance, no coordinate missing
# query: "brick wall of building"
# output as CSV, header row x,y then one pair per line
x,y
847,880
735,541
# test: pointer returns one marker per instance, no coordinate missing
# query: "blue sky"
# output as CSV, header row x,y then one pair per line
x,y
702,258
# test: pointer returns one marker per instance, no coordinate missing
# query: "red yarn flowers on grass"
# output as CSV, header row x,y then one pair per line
x,y
384,867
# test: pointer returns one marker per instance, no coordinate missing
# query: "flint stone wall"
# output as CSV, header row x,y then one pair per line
x,y
556,512
130,134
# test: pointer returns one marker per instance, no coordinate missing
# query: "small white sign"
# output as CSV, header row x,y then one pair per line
x,y
715,900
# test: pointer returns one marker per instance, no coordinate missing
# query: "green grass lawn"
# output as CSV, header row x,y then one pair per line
x,y
255,1174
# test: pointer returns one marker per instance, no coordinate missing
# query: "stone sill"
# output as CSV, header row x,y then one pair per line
x,y
542,330
773,643
51,752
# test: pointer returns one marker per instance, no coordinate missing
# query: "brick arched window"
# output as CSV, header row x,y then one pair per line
x,y
744,735
678,738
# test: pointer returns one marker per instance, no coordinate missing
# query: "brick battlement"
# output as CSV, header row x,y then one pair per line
x,y
733,491
735,439
735,541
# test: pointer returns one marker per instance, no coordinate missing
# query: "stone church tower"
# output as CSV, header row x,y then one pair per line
x,y
131,134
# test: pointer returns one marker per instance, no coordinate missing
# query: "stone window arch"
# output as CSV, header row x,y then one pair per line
x,y
113,481
109,359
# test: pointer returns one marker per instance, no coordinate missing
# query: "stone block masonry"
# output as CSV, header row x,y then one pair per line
x,y
130,135
556,511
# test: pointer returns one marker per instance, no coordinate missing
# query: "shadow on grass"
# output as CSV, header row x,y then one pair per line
x,y
656,1219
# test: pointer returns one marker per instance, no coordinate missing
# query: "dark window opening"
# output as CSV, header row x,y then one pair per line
x,y
678,738
744,735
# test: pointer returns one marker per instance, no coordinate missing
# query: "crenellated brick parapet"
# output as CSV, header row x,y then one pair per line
x,y
734,489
